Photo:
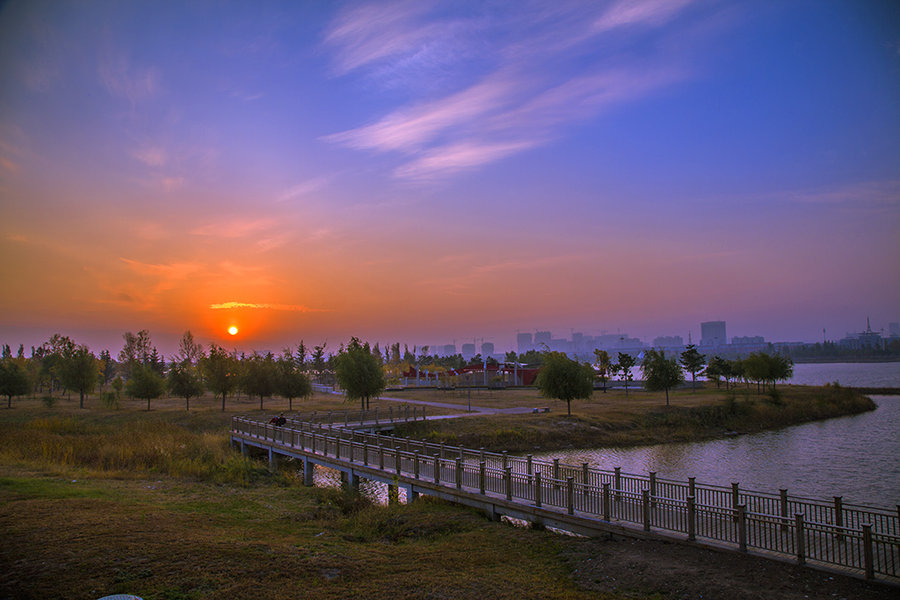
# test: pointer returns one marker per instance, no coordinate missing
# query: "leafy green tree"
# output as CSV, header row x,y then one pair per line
x,y
693,362
13,380
220,371
756,368
781,368
292,382
260,376
183,381
107,368
625,364
661,373
145,383
604,368
359,373
80,371
716,370
565,379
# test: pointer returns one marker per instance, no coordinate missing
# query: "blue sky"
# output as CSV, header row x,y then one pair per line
x,y
431,171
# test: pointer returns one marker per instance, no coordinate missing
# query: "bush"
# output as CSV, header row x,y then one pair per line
x,y
48,401
109,400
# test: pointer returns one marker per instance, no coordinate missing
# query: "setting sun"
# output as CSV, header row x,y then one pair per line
x,y
233,330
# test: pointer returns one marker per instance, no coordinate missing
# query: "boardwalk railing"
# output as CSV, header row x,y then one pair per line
x,y
860,538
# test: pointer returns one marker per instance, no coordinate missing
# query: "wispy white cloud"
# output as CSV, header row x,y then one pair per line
x,y
152,156
234,228
304,188
123,80
549,67
874,194
266,306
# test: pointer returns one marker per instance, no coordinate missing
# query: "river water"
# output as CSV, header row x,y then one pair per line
x,y
854,457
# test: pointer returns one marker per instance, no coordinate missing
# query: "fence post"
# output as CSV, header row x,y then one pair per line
x,y
380,456
570,495
839,516
505,459
437,469
365,453
481,470
529,464
735,495
391,413
537,489
397,460
742,527
868,554
416,465
508,477
645,496
584,473
801,539
606,502
692,518
458,474
555,468
618,483
692,487
653,487
784,509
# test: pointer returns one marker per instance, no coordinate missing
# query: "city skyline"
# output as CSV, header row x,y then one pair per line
x,y
424,171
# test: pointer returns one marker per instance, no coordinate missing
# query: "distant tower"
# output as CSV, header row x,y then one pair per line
x,y
712,334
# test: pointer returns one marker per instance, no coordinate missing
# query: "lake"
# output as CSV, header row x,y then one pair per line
x,y
854,457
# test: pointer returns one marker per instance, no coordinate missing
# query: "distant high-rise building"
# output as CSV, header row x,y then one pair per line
x,y
450,350
668,341
524,343
894,329
468,351
487,349
541,339
712,334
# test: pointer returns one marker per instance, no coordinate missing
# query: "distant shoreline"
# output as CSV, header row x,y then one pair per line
x,y
838,359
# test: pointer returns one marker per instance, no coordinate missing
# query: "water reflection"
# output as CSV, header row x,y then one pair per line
x,y
375,491
854,457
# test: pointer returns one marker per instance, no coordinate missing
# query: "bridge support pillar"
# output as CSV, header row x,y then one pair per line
x,y
308,469
350,480
411,495
245,449
492,513
273,461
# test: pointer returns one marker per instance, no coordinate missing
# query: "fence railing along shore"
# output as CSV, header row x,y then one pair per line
x,y
863,539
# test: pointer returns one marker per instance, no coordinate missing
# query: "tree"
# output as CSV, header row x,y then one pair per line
x,y
80,371
189,350
565,379
13,380
692,361
359,373
781,368
661,373
291,381
260,377
601,361
756,368
184,381
625,364
220,372
718,369
145,383
107,368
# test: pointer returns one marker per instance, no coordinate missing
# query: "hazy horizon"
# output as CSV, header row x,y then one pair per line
x,y
425,172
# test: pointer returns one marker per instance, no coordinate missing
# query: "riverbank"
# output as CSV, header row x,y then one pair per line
x,y
157,504
614,419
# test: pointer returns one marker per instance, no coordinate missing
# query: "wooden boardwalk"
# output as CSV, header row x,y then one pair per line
x,y
588,501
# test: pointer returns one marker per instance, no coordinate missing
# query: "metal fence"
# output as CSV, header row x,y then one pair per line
x,y
860,538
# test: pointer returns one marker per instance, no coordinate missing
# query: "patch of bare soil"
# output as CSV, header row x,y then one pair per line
x,y
676,570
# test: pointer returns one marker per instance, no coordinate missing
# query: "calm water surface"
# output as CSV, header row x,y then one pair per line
x,y
854,457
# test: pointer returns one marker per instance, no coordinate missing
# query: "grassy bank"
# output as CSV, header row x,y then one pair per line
x,y
612,419
96,502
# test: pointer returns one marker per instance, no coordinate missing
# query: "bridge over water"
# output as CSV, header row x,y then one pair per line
x,y
584,500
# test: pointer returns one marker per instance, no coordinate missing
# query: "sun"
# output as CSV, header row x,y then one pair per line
x,y
233,330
